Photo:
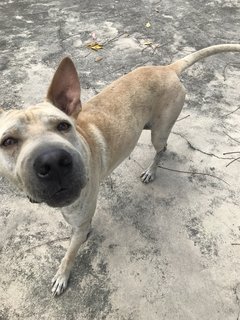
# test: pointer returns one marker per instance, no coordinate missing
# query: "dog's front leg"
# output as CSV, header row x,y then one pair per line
x,y
60,280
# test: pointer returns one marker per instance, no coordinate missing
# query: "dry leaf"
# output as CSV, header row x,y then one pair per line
x,y
147,43
98,59
148,25
95,46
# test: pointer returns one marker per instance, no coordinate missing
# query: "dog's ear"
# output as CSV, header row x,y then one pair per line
x,y
64,91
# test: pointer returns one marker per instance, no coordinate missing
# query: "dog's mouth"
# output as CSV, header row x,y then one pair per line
x,y
60,198
62,192
33,200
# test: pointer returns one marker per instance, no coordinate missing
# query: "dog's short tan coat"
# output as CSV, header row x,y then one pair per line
x,y
94,139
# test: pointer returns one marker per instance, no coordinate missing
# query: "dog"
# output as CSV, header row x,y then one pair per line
x,y
59,151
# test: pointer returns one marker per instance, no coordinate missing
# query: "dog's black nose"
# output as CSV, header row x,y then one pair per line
x,y
53,164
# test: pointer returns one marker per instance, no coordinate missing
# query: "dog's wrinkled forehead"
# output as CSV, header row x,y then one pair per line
x,y
39,117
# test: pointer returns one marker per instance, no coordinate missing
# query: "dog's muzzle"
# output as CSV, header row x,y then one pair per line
x,y
54,175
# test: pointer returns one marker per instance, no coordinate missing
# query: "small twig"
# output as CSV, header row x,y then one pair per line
x,y
232,161
194,173
113,39
45,243
231,137
140,166
231,152
183,118
114,71
235,244
87,54
197,149
225,115
153,47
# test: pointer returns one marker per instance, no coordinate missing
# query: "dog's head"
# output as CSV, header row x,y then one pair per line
x,y
40,150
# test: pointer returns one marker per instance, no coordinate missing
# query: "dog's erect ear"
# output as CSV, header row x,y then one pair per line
x,y
64,91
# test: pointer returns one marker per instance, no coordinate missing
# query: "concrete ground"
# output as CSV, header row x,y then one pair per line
x,y
163,251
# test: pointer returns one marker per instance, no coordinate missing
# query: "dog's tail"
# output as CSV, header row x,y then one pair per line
x,y
180,65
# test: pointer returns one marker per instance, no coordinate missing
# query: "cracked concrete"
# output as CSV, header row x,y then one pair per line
x,y
168,250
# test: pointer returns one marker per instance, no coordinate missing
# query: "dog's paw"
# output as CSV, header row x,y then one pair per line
x,y
148,175
59,283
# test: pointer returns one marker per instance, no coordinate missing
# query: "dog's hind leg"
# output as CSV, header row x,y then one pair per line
x,y
149,174
160,130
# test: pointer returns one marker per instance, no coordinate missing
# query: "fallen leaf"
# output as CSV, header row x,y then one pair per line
x,y
147,43
148,25
95,46
98,59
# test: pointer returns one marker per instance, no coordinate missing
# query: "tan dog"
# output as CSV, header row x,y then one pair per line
x,y
58,155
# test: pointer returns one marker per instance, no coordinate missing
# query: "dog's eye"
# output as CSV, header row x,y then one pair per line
x,y
9,142
63,126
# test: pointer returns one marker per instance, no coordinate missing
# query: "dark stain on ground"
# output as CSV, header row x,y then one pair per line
x,y
207,245
128,208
